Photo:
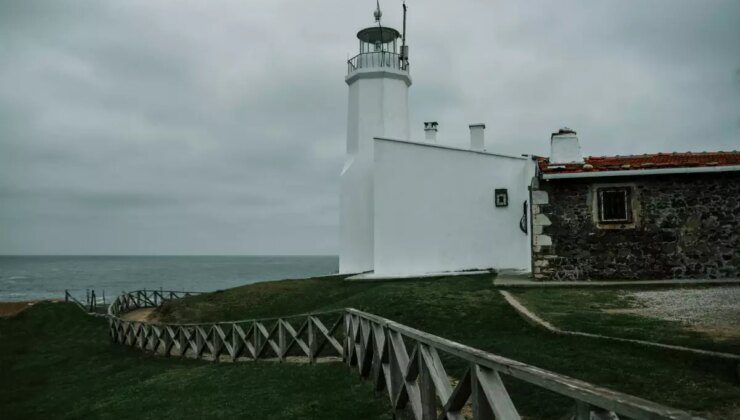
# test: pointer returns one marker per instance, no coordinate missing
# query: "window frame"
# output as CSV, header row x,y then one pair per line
x,y
633,205
627,200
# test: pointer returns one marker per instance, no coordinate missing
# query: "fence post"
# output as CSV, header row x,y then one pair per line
x,y
345,343
582,411
281,339
256,333
481,408
426,386
311,341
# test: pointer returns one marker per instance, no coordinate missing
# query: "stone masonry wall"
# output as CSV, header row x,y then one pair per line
x,y
687,227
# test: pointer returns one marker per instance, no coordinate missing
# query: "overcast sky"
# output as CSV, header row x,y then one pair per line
x,y
218,127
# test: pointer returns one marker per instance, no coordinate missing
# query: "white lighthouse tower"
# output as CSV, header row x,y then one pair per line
x,y
378,80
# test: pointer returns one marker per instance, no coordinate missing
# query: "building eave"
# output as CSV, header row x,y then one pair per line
x,y
641,172
458,149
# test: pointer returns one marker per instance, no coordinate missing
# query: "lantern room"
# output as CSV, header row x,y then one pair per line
x,y
382,47
379,39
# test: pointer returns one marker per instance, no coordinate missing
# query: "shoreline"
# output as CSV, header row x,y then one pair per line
x,y
12,308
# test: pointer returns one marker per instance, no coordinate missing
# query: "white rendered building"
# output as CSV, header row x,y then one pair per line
x,y
417,207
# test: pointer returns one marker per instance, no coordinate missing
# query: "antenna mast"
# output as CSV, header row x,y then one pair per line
x,y
403,36
404,48
378,14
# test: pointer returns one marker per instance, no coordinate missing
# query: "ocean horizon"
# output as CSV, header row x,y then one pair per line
x,y
32,277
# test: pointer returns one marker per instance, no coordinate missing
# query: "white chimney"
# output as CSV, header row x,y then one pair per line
x,y
477,137
564,147
430,131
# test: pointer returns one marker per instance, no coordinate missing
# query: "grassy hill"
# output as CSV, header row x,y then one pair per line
x,y
470,310
57,362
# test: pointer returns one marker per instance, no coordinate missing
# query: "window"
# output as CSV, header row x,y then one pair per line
x,y
501,197
615,205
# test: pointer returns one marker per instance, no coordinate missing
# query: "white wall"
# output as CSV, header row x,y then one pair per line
x,y
377,106
434,209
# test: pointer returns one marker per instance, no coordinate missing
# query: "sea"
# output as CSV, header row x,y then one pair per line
x,y
42,277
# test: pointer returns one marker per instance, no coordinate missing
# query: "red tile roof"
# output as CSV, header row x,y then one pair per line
x,y
640,162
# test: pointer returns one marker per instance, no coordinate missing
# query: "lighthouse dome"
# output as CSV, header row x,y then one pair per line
x,y
380,34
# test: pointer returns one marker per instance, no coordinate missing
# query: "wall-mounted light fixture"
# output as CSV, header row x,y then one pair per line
x,y
501,197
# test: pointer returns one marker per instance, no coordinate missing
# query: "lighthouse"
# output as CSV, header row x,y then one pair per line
x,y
378,80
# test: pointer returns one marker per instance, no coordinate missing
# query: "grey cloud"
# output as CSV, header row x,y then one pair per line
x,y
218,127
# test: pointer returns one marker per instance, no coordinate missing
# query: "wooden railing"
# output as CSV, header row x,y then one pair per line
x,y
92,302
139,299
378,347
292,338
415,381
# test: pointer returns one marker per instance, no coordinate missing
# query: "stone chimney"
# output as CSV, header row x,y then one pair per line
x,y
564,147
430,131
477,137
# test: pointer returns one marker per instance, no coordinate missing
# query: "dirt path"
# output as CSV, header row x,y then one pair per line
x,y
144,314
8,309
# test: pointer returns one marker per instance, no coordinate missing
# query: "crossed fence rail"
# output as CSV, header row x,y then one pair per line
x,y
416,382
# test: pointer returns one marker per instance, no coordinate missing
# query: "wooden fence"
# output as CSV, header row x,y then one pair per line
x,y
139,299
301,337
405,363
92,301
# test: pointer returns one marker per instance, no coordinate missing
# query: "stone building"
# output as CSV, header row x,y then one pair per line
x,y
666,215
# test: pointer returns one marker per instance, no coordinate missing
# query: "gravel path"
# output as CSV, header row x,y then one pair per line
x,y
713,311
716,306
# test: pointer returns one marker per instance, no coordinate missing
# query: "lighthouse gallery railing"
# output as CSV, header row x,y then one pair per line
x,y
380,59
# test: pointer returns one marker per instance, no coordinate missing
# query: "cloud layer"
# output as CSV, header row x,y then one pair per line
x,y
191,127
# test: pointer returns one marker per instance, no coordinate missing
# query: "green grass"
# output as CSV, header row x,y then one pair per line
x,y
579,309
471,311
57,362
